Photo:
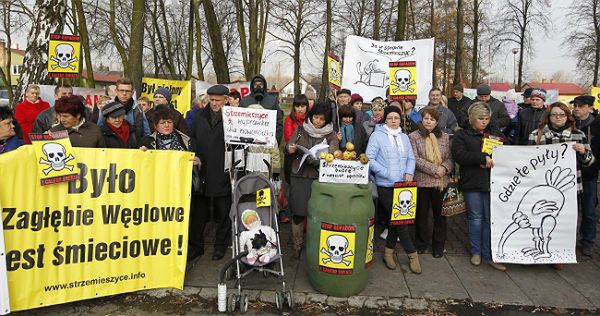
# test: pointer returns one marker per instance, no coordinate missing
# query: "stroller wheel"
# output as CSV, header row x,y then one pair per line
x,y
289,297
243,303
233,300
279,300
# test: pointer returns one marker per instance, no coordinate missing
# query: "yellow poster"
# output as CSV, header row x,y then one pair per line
x,y
55,157
181,92
404,207
64,56
263,197
335,71
403,80
370,243
121,227
596,94
337,248
489,142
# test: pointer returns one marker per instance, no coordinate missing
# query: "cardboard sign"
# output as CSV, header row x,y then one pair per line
x,y
64,56
54,154
370,243
263,197
334,71
404,203
244,126
344,171
403,80
489,142
337,248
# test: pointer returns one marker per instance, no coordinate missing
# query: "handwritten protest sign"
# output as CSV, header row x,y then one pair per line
x,y
344,171
249,126
534,204
115,229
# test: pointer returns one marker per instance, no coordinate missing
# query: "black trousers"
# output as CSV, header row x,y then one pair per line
x,y
430,198
386,196
200,216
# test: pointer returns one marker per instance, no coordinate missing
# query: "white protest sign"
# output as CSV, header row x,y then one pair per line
x,y
4,299
366,65
534,204
249,126
344,171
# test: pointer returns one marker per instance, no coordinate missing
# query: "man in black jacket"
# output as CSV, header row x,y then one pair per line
x,y
526,99
530,117
207,132
258,95
588,122
459,105
500,116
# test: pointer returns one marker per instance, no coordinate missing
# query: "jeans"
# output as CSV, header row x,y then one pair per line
x,y
587,229
479,223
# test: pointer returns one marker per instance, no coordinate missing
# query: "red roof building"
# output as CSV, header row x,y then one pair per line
x,y
499,86
564,88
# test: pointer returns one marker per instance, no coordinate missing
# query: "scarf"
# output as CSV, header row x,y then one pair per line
x,y
215,117
122,131
128,105
317,132
168,142
347,134
299,118
432,150
558,129
394,137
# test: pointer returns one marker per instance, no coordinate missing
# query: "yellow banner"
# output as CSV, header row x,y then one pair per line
x,y
334,71
596,94
403,80
181,91
404,207
121,227
64,56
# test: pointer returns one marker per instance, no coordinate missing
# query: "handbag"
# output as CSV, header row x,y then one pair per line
x,y
454,201
198,181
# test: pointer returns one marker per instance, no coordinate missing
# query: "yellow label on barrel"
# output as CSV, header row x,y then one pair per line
x,y
337,248
370,243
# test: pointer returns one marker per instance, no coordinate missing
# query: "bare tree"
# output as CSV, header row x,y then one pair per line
x,y
325,74
12,20
198,27
376,19
254,14
460,25
519,19
401,21
219,58
584,37
85,42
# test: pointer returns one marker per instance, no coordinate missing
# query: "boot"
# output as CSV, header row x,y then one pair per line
x,y
388,258
297,238
414,264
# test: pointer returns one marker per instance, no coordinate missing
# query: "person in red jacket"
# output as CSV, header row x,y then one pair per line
x,y
27,111
296,117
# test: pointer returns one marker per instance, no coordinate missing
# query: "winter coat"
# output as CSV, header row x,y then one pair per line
x,y
389,165
466,151
289,127
48,119
425,170
500,116
528,120
150,141
179,122
447,121
11,144
415,116
112,140
189,115
268,102
86,135
136,119
26,112
460,108
210,148
310,166
591,129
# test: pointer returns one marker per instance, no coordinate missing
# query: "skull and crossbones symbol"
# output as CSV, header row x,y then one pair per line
x,y
404,204
337,250
64,56
56,158
334,72
403,81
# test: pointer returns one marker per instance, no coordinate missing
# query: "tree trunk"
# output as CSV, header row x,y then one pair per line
x,y
595,12
377,17
520,72
325,75
445,66
115,38
168,44
219,59
6,76
190,51
458,59
136,45
85,44
48,18
262,29
432,34
239,17
198,40
475,59
297,44
401,22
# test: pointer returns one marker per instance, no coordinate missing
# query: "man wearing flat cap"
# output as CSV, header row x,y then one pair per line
x,y
207,132
459,105
500,116
587,121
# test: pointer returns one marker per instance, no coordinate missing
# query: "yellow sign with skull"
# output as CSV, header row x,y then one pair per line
x,y
403,80
55,157
64,56
337,248
334,71
404,207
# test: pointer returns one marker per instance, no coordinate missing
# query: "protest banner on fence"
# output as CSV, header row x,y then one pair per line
x,y
534,204
4,298
181,91
344,171
121,227
91,95
64,56
249,126
366,65
596,94
242,87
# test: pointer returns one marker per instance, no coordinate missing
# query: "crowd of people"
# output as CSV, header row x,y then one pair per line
x,y
402,144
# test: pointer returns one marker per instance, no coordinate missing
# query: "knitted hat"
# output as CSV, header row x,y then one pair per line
x,y
164,92
391,109
458,87
484,89
527,92
539,93
113,109
355,98
378,103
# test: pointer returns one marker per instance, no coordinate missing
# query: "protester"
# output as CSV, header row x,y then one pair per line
x,y
311,98
377,107
71,116
28,110
459,105
115,130
100,103
200,102
351,130
162,100
529,118
316,128
233,98
111,91
356,101
392,160
500,116
47,118
144,103
559,126
407,124
208,135
474,179
343,96
258,95
166,136
447,121
8,137
431,148
408,108
526,101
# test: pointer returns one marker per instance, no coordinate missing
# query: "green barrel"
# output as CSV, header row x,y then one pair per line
x,y
339,238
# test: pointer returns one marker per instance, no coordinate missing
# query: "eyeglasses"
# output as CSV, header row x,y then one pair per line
x,y
124,91
558,115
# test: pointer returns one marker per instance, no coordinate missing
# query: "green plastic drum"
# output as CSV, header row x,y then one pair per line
x,y
339,239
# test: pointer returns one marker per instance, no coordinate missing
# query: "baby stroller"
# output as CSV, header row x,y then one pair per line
x,y
245,202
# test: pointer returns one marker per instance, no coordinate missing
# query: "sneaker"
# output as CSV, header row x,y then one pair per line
x,y
587,251
384,234
475,260
497,266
